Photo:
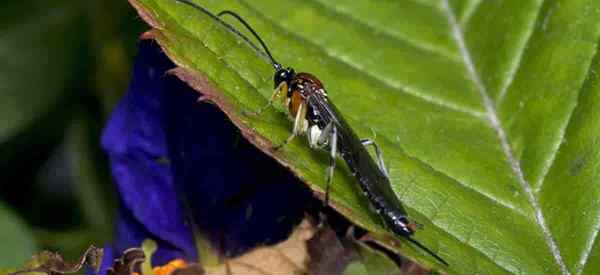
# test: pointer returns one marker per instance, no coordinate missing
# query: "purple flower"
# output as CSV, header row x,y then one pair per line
x,y
165,147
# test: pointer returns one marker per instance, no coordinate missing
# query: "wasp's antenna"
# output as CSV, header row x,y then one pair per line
x,y
420,245
276,64
234,30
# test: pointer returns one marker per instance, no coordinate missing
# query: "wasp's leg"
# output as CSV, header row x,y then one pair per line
x,y
332,155
380,162
300,125
279,92
327,134
318,138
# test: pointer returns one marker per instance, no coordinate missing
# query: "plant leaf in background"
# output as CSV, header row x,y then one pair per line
x,y
484,111
45,63
17,240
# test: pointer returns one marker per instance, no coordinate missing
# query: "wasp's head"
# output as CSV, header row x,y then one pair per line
x,y
283,75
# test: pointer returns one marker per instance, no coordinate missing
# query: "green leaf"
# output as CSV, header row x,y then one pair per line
x,y
40,49
16,239
486,112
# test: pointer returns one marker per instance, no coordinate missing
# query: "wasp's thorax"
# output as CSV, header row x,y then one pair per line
x,y
298,89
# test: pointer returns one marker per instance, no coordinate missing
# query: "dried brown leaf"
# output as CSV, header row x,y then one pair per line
x,y
48,262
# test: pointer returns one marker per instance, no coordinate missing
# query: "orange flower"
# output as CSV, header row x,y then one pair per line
x,y
168,268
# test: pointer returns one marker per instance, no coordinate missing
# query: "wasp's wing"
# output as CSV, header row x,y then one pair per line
x,y
372,180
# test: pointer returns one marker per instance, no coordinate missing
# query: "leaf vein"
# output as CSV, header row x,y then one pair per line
x,y
588,249
469,11
497,126
433,170
385,31
516,62
559,142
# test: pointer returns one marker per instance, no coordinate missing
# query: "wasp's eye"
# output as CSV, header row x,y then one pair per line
x,y
283,75
279,77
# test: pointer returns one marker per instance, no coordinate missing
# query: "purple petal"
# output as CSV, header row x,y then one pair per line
x,y
135,142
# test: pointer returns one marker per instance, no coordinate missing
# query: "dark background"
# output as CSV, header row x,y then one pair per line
x,y
64,65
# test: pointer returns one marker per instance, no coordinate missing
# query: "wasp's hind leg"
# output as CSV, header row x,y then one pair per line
x,y
320,139
378,155
332,155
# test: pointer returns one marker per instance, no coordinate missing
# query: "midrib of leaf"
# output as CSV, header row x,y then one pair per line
x,y
497,126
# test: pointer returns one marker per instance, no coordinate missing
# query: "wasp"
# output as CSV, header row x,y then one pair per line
x,y
314,115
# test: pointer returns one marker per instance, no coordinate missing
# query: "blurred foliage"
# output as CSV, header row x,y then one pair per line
x,y
16,239
64,65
